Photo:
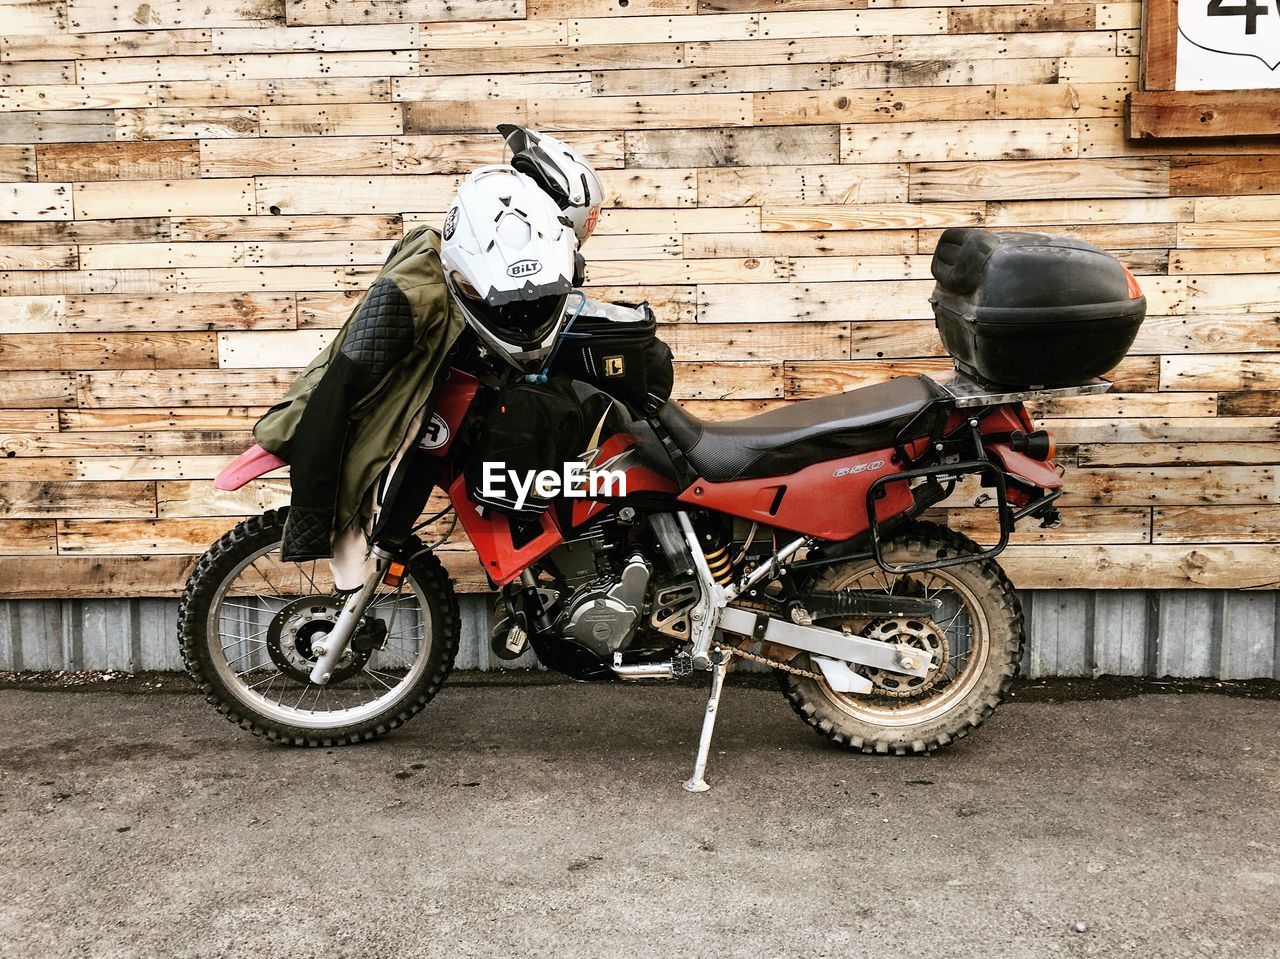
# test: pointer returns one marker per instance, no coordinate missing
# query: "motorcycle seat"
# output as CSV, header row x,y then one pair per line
x,y
797,435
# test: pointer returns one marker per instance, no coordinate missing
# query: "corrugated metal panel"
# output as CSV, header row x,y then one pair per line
x,y
1229,635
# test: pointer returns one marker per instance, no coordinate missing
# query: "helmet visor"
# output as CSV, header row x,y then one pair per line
x,y
524,323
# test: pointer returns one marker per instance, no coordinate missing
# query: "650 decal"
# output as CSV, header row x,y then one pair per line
x,y
860,468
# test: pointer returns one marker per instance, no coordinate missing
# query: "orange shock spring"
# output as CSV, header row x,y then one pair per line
x,y
721,568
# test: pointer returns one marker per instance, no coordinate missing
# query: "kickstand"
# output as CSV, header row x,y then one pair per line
x,y
696,783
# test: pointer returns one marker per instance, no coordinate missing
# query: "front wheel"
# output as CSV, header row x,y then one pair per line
x,y
974,641
248,622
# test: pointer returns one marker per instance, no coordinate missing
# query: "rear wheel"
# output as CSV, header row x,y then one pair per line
x,y
249,622
974,642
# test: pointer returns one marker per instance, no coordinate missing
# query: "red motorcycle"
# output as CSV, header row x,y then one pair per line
x,y
799,539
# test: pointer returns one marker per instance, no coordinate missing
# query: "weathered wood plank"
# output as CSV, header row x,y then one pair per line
x,y
122,442
360,34
875,105
1019,213
496,33
1225,261
730,342
1140,567
1023,19
607,8
28,419
835,244
152,537
156,160
880,216
554,85
971,140
815,24
22,390
1191,429
71,96
1220,372
144,388
753,186
35,201
36,500
258,311
1036,179
236,419
1156,113
276,92
324,12
1178,454
734,53
277,156
130,42
58,126
783,76
17,162
28,537
589,30
1216,524
1003,45
280,227
84,231
1220,175
267,350
1176,295
1232,208
33,314
125,198
101,16
728,381
38,257
738,303
274,66
31,17
729,147
117,351
961,72
335,119
671,111
498,60
184,123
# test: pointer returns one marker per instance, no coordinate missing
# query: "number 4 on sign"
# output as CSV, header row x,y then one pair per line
x,y
1249,9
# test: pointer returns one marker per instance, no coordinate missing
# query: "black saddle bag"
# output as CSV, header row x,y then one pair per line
x,y
615,347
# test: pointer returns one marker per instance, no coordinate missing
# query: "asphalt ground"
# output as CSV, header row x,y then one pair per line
x,y
518,818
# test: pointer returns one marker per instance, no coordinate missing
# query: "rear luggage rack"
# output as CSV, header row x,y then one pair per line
x,y
966,391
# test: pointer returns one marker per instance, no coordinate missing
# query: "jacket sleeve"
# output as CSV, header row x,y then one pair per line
x,y
380,335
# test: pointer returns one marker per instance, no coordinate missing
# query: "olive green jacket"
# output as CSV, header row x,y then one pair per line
x,y
351,408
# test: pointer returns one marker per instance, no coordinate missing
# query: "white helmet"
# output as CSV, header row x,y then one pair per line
x,y
561,171
508,259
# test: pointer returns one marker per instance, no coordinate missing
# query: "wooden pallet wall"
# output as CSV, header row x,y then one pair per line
x,y
193,194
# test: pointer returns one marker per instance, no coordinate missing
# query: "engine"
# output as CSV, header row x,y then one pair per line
x,y
607,583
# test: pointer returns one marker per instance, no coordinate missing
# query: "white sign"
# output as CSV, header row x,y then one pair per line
x,y
1228,45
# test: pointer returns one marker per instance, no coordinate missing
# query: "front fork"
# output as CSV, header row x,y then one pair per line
x,y
331,649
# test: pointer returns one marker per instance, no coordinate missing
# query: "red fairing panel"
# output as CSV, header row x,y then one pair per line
x,y
490,534
640,479
451,406
827,500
